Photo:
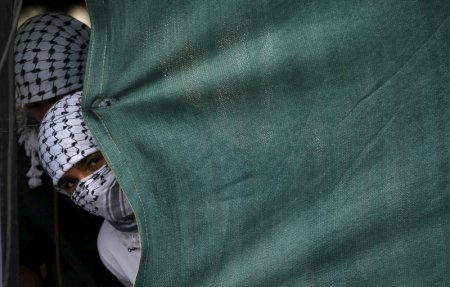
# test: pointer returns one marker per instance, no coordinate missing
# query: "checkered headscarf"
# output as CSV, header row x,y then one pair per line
x,y
50,56
64,138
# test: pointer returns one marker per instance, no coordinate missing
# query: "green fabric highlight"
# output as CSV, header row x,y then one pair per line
x,y
278,143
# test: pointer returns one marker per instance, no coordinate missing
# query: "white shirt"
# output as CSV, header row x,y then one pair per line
x,y
120,252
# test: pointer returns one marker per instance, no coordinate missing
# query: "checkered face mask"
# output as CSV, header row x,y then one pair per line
x,y
100,194
50,55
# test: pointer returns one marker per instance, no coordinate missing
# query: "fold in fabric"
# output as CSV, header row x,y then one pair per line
x,y
278,143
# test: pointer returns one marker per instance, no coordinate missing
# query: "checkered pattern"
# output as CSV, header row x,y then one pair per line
x,y
64,138
101,195
50,56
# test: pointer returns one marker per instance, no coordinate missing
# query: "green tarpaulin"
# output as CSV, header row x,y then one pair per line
x,y
278,143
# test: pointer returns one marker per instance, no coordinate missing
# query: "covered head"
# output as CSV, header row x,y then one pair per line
x,y
64,138
50,55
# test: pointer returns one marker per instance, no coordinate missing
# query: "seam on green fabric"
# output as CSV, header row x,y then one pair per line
x,y
90,56
90,68
398,70
103,61
101,91
133,180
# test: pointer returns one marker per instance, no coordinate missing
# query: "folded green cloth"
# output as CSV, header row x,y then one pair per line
x,y
278,143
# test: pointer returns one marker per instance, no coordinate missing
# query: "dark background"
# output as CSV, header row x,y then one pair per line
x,y
53,4
9,267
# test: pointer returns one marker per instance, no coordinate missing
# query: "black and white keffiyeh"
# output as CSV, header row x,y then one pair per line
x,y
28,138
64,138
101,195
50,55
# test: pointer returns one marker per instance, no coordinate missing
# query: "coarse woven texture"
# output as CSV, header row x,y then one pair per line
x,y
278,143
49,57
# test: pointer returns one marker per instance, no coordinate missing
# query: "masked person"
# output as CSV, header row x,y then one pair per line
x,y
69,154
50,55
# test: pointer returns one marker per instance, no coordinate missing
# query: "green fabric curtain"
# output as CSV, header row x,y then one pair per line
x,y
278,143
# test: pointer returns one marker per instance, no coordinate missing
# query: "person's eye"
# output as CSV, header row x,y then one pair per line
x,y
95,162
69,185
